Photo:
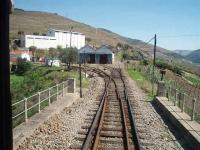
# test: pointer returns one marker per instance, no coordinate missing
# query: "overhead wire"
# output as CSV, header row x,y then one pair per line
x,y
181,35
140,47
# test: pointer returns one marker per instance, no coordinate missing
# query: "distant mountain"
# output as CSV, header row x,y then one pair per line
x,y
183,52
194,56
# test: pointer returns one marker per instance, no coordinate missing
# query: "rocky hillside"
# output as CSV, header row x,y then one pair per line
x,y
34,21
40,22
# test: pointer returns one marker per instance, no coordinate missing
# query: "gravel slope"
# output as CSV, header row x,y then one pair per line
x,y
59,131
153,133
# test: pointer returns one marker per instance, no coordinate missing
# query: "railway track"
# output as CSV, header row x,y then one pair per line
x,y
110,124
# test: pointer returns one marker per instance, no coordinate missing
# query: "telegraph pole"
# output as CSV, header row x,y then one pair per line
x,y
154,63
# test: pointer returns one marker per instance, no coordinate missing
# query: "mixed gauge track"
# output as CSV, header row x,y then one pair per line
x,y
111,123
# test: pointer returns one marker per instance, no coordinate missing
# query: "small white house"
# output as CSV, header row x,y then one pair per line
x,y
53,39
26,56
53,62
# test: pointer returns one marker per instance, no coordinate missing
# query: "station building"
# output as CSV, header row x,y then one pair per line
x,y
102,55
53,39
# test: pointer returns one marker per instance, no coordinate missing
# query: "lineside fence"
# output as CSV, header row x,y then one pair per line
x,y
185,100
24,109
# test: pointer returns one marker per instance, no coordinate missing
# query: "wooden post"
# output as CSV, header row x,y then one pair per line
x,y
154,62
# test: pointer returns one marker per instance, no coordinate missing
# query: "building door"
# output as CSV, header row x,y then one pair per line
x,y
103,59
92,59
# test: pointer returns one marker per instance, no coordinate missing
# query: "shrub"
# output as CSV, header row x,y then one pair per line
x,y
36,33
177,70
88,39
163,65
145,62
22,66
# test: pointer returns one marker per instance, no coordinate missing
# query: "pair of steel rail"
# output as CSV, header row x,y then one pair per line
x,y
93,136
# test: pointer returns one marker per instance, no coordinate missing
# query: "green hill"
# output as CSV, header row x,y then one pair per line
x,y
35,21
194,56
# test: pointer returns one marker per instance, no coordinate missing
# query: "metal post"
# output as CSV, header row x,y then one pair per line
x,y
39,102
80,80
183,103
25,109
193,109
49,96
63,86
179,99
175,97
167,93
56,91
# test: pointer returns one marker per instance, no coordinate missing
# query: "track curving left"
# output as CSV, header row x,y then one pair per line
x,y
111,124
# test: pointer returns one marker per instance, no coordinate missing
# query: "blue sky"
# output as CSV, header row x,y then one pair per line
x,y
176,22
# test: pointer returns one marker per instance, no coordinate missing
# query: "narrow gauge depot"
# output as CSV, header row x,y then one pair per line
x,y
102,55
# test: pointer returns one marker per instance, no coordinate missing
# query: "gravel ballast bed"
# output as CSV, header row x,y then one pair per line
x,y
61,129
152,131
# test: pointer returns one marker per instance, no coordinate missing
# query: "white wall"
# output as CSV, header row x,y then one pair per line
x,y
53,39
43,42
64,38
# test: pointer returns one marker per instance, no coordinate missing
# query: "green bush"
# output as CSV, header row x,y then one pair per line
x,y
177,70
144,62
22,66
164,65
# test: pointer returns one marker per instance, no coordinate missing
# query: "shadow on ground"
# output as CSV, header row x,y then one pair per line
x,y
179,136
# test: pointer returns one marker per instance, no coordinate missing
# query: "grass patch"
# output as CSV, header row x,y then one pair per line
x,y
135,75
142,82
194,79
119,55
38,79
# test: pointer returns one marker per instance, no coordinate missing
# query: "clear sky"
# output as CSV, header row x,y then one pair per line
x,y
176,22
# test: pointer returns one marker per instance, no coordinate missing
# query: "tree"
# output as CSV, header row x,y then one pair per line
x,y
53,53
36,33
126,46
20,32
33,50
88,39
69,56
119,45
40,53
15,46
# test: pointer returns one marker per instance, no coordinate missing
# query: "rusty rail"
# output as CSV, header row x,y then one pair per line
x,y
134,132
93,136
